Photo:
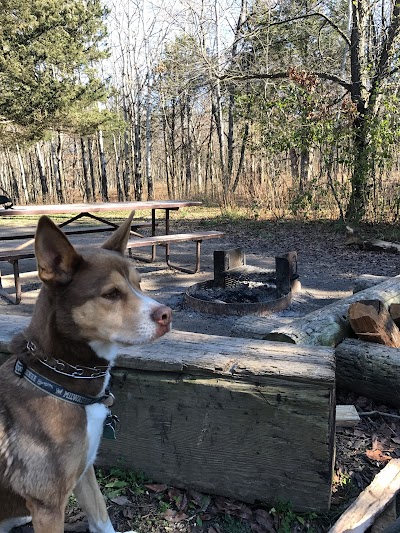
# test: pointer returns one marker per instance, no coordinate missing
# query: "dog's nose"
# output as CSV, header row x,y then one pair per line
x,y
162,315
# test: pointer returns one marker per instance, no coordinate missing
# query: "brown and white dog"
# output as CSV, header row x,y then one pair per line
x,y
53,399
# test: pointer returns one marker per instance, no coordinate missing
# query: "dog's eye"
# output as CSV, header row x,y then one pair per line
x,y
113,294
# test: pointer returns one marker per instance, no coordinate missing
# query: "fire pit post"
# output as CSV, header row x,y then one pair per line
x,y
225,260
286,272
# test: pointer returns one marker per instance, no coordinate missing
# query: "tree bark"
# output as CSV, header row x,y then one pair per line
x,y
149,140
60,169
91,169
103,167
369,369
15,192
137,152
85,169
22,174
117,170
42,174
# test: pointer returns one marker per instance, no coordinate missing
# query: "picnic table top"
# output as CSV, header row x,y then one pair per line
x,y
48,209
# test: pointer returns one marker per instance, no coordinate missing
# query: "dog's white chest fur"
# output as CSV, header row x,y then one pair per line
x,y
96,414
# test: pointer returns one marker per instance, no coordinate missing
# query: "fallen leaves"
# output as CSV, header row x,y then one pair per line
x,y
378,456
156,487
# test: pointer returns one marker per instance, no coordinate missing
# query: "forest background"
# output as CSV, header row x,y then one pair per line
x,y
287,107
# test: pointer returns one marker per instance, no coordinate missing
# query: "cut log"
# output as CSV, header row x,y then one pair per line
x,y
371,502
371,321
371,245
370,370
365,281
394,311
329,325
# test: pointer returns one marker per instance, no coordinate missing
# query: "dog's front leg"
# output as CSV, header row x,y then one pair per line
x,y
92,502
46,517
90,498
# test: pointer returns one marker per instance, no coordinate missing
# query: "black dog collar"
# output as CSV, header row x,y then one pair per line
x,y
49,387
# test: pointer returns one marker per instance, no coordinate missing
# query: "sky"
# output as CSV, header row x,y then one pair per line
x,y
140,29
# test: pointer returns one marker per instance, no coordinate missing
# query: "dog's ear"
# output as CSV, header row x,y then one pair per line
x,y
56,258
118,240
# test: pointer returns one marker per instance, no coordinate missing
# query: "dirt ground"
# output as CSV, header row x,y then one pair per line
x,y
327,271
327,268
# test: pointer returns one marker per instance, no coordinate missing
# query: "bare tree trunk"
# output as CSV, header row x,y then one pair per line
x,y
85,169
172,137
42,174
22,174
167,158
14,182
186,146
56,152
149,137
137,151
126,173
294,164
32,187
149,170
208,176
103,167
242,149
117,171
91,168
75,183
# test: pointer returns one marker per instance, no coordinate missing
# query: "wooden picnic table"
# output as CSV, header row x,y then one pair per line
x,y
93,211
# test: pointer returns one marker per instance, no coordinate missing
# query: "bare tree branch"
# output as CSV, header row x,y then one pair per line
x,y
309,15
282,75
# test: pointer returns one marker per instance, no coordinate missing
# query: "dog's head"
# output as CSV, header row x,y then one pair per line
x,y
94,294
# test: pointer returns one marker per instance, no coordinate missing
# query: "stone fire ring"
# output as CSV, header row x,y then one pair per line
x,y
235,308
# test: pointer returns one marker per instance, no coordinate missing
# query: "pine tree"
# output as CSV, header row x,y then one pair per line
x,y
47,52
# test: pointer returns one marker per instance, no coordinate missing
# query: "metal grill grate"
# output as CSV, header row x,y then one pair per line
x,y
249,276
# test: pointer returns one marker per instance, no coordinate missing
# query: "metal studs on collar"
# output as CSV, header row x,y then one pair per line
x,y
66,369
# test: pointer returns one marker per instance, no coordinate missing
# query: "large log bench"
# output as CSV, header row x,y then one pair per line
x,y
327,326
167,240
242,418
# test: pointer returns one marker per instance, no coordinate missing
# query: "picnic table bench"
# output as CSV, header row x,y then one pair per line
x,y
166,240
13,256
